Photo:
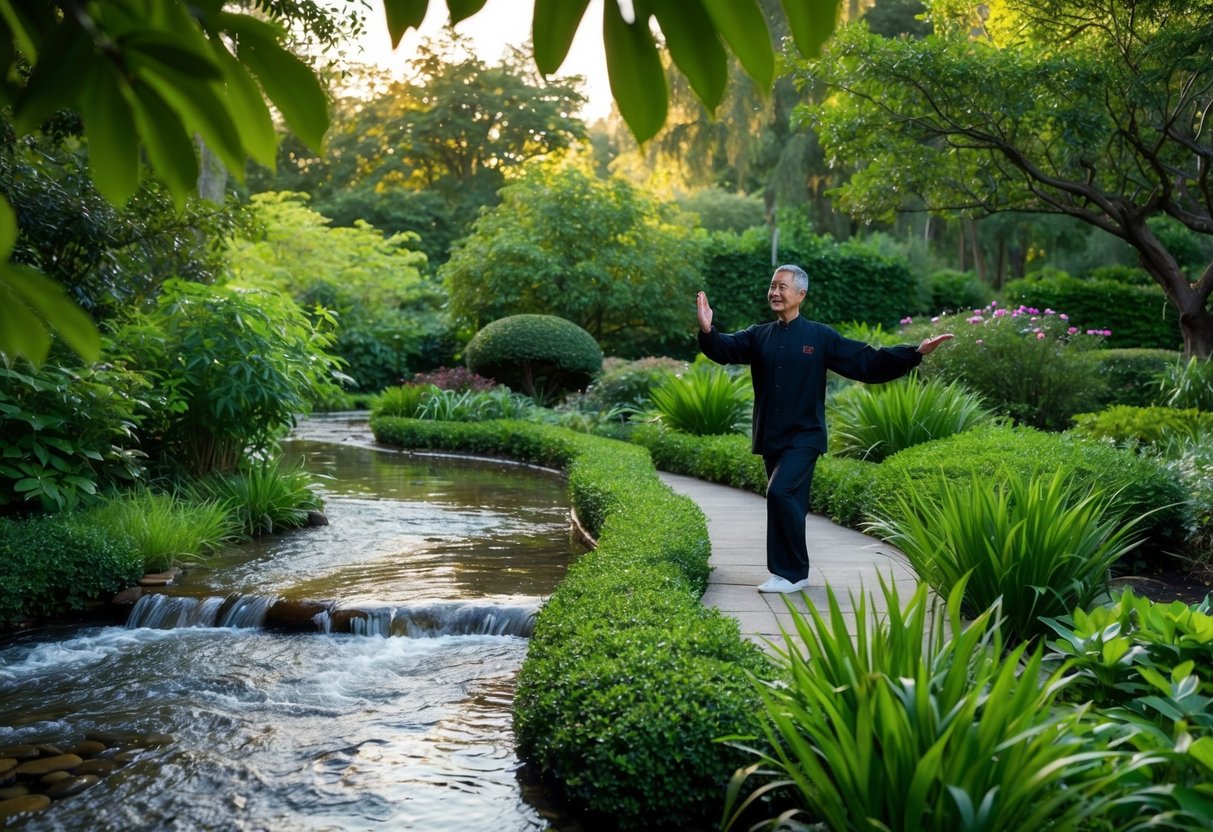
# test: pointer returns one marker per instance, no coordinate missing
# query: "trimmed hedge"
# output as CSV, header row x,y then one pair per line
x,y
540,355
60,563
629,680
1138,316
1142,486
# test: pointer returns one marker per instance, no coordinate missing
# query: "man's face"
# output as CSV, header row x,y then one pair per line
x,y
783,294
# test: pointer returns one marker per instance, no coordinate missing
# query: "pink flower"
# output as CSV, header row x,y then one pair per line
x,y
979,341
1064,316
1049,312
977,319
1040,336
935,319
998,313
906,321
1072,330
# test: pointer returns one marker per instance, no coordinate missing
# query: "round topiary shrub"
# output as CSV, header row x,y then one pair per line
x,y
542,356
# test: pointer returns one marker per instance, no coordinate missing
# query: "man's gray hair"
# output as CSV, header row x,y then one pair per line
x,y
800,278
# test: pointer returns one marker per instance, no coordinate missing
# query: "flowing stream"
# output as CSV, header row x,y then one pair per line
x,y
385,704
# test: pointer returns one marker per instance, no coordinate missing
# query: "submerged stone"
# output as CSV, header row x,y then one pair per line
x,y
37,768
22,805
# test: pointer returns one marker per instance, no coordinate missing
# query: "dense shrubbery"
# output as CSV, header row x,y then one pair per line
x,y
1030,365
1137,316
629,679
706,400
66,434
1143,425
954,291
629,382
61,563
539,355
1132,376
1139,486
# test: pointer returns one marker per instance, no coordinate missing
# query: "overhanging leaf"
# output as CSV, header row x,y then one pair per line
x,y
248,109
113,145
463,9
812,22
695,48
403,15
30,302
635,71
741,24
553,26
201,108
56,80
292,87
169,146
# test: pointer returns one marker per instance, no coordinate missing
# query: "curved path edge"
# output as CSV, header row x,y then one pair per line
x,y
848,561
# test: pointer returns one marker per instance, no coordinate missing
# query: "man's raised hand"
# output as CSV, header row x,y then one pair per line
x,y
705,312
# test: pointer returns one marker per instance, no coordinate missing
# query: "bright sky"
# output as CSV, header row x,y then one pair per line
x,y
498,24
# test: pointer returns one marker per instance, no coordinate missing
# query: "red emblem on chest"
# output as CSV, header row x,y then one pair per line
x,y
807,350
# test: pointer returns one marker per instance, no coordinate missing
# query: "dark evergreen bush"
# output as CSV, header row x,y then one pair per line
x,y
60,563
539,355
1138,316
1132,376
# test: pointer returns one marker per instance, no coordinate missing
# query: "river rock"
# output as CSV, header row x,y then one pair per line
x,y
295,615
54,777
45,765
45,749
88,748
159,578
7,764
100,767
13,791
128,596
19,752
24,804
124,757
317,518
71,786
107,738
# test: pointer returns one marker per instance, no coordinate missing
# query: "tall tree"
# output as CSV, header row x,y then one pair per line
x,y
1094,109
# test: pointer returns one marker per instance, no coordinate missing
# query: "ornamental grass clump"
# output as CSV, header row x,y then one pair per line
x,y
166,527
895,726
1041,546
706,401
876,421
264,497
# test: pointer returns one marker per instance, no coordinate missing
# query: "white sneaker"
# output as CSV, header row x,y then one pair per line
x,y
778,583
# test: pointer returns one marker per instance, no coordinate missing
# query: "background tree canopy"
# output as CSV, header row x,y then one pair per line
x,y
598,253
1093,110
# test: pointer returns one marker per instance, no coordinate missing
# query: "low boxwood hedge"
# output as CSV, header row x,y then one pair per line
x,y
629,680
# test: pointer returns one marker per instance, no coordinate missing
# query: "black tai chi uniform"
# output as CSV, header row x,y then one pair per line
x,y
788,364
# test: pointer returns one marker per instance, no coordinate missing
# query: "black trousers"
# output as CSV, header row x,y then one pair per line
x,y
789,479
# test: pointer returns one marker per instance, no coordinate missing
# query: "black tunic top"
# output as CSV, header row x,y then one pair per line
x,y
788,364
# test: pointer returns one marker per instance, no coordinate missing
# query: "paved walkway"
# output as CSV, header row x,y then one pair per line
x,y
845,559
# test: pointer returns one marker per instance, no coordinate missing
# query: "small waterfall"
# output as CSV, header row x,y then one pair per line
x,y
247,611
433,620
166,612
169,612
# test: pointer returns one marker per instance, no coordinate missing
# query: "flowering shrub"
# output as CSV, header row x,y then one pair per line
x,y
1030,364
459,379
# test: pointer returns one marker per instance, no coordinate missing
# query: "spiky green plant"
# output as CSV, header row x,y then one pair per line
x,y
166,527
705,401
264,497
895,726
876,421
1042,546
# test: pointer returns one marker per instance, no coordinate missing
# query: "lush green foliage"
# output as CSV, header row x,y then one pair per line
x,y
403,400
263,497
875,421
452,406
61,563
1117,651
847,282
629,679
1144,425
895,726
704,401
1189,384
1030,365
386,312
1042,545
459,379
601,254
166,528
1139,486
66,433
231,370
964,125
540,355
1132,377
623,382
721,210
1137,316
956,291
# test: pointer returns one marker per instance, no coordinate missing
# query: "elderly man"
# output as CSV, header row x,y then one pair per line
x,y
788,359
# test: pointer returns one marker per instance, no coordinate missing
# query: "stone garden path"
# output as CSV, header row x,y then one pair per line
x,y
847,560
